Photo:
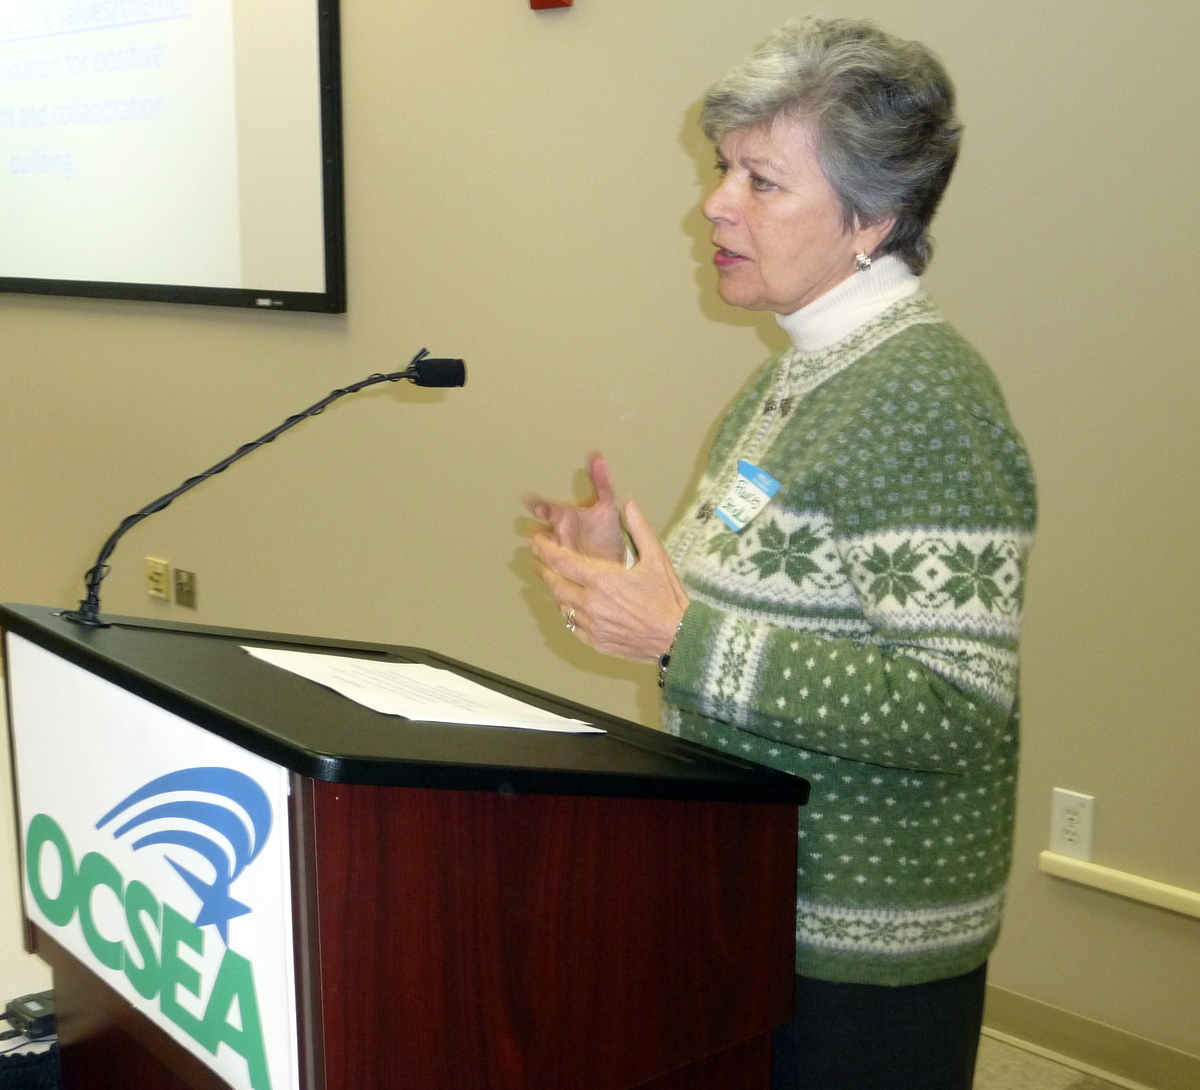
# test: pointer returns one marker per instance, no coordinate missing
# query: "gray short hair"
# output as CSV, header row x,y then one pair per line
x,y
882,110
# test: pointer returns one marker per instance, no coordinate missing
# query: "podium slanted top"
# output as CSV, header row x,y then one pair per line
x,y
203,675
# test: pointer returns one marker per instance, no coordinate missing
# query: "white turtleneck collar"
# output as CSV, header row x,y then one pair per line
x,y
854,302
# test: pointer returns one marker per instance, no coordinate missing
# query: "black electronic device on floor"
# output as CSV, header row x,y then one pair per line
x,y
32,1015
32,1063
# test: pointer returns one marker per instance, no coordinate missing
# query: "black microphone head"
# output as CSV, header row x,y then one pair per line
x,y
432,372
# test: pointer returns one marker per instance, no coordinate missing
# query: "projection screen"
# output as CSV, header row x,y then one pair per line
x,y
178,150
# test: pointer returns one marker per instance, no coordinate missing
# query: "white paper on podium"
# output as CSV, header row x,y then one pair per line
x,y
416,691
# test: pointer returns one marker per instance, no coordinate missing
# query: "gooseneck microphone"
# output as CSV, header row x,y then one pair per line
x,y
422,371
425,372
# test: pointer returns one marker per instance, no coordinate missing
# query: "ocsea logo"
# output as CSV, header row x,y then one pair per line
x,y
148,954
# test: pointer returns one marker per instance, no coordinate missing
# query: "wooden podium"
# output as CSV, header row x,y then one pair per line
x,y
465,907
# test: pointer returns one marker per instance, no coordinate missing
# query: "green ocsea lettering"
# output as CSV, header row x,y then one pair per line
x,y
152,967
175,972
140,903
235,981
43,832
94,871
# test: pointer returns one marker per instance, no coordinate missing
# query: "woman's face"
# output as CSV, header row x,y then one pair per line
x,y
777,223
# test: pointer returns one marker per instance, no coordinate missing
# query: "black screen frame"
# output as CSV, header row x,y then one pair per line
x,y
330,301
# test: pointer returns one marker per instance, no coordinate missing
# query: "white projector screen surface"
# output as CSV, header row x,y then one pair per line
x,y
163,142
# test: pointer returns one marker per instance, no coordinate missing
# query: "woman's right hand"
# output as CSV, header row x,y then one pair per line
x,y
593,529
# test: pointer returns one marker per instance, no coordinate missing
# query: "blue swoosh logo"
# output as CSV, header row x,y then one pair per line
x,y
229,826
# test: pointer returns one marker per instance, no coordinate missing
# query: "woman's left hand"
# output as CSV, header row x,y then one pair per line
x,y
629,612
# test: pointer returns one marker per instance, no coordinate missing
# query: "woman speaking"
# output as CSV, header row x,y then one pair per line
x,y
842,598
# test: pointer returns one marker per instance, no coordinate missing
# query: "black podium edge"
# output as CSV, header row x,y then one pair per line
x,y
735,780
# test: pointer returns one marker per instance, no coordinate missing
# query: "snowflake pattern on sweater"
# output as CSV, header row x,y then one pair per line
x,y
862,632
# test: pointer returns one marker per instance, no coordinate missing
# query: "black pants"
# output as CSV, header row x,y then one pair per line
x,y
867,1037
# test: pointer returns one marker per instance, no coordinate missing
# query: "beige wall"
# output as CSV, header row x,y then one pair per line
x,y
522,192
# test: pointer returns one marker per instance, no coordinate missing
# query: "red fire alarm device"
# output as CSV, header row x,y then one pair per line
x,y
541,5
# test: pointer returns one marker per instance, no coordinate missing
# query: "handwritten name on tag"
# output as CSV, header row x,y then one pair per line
x,y
752,490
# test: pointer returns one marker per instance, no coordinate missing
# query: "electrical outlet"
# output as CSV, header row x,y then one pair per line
x,y
1071,819
185,588
158,578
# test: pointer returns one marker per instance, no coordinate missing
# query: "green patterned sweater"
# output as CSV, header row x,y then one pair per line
x,y
861,632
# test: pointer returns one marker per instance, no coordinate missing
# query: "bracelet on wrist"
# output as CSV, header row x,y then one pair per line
x,y
665,660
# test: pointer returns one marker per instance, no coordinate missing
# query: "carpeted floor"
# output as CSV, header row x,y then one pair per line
x,y
1000,1067
1003,1067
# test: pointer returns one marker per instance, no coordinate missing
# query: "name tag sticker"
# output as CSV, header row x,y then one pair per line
x,y
751,492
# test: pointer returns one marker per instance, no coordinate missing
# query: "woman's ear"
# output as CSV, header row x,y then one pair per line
x,y
870,236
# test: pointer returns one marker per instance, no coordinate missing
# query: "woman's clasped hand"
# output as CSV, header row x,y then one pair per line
x,y
627,609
